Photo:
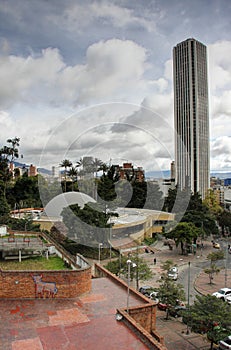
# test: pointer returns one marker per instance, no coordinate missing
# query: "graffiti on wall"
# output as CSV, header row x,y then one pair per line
x,y
44,289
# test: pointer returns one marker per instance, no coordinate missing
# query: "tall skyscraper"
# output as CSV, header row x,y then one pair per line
x,y
191,116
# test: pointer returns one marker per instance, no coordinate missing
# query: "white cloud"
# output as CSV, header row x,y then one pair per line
x,y
219,65
220,152
30,78
77,17
113,70
39,90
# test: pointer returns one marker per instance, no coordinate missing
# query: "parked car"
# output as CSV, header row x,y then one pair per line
x,y
222,293
216,245
228,298
146,290
162,306
176,311
225,344
173,273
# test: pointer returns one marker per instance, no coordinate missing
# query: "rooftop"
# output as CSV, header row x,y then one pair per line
x,y
85,323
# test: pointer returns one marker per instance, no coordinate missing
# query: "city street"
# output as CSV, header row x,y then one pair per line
x,y
187,273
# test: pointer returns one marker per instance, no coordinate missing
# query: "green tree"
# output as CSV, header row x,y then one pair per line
x,y
73,173
200,215
177,201
212,203
184,234
86,165
89,225
224,220
7,155
169,292
48,190
213,268
65,164
208,312
141,272
104,168
24,224
139,193
13,151
170,199
4,210
96,165
25,190
106,191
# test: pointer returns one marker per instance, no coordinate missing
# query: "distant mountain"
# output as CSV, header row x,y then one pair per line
x,y
165,174
44,171
221,175
40,170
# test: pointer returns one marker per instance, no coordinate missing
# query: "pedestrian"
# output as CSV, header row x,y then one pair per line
x,y
154,260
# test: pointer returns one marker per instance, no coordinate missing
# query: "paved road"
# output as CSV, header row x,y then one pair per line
x,y
197,264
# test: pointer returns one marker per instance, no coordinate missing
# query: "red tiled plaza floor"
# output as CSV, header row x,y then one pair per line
x,y
85,323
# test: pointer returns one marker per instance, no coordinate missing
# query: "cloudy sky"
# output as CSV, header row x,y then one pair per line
x,y
94,78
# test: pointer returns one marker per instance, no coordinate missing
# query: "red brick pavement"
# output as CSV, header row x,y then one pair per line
x,y
87,323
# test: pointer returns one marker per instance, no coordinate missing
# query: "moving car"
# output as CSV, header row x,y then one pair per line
x,y
173,273
225,344
222,293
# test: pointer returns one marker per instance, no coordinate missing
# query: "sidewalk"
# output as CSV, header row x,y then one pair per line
x,y
173,330
162,253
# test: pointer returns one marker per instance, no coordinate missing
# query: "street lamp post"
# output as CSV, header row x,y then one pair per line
x,y
110,237
129,263
226,258
120,262
187,332
100,245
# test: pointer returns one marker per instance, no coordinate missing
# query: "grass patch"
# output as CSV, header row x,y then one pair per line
x,y
37,263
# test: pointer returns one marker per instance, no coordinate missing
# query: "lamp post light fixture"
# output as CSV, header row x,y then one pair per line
x,y
100,245
187,331
110,236
130,264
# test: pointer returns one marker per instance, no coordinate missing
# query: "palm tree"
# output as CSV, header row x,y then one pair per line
x,y
86,164
104,168
97,164
65,164
13,150
73,172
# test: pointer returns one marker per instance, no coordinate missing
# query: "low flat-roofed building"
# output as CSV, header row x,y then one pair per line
x,y
137,224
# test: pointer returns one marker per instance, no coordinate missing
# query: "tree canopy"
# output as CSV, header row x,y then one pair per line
x,y
211,315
